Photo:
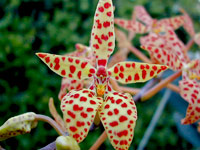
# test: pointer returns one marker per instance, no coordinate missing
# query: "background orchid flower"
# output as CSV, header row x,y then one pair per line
x,y
67,84
190,91
18,125
66,143
117,111
167,40
143,23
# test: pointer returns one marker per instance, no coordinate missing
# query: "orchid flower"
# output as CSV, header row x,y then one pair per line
x,y
66,143
143,23
117,111
190,91
167,40
18,125
67,84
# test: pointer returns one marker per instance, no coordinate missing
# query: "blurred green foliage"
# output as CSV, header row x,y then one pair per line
x,y
54,26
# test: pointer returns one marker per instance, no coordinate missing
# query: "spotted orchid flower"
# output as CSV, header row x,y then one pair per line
x,y
171,47
143,23
67,84
18,125
117,111
190,91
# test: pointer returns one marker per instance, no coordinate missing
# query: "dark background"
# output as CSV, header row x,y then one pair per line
x,y
55,26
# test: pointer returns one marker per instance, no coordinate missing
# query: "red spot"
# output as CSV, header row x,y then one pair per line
x,y
109,14
51,65
92,102
70,75
79,74
116,111
122,133
118,101
63,72
129,78
79,123
110,34
147,66
84,99
144,73
124,105
77,61
110,113
133,65
121,75
121,68
136,77
77,108
96,46
113,124
110,44
85,130
68,120
151,73
107,5
42,55
83,64
92,70
101,9
129,112
70,59
73,129
63,58
71,114
163,67
90,109
106,24
47,59
102,62
128,65
76,136
104,37
116,142
76,95
154,67
71,101
56,67
142,67
116,70
84,115
107,106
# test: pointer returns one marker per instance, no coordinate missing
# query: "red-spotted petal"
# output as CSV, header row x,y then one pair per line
x,y
192,114
118,114
132,72
188,24
133,26
173,22
79,109
165,56
142,15
190,90
68,85
103,36
70,67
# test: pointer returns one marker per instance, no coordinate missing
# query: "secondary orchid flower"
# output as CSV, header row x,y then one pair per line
x,y
18,125
190,91
143,23
67,84
117,111
167,40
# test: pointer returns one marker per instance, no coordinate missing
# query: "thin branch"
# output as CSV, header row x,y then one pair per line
x,y
173,87
51,122
139,54
160,86
130,90
100,140
55,115
154,121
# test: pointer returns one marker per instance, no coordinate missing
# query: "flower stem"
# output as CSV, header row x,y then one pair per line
x,y
51,122
160,86
173,87
139,54
100,140
130,90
